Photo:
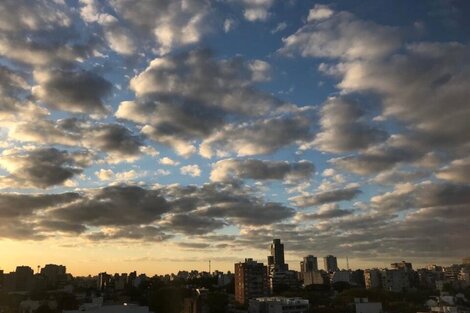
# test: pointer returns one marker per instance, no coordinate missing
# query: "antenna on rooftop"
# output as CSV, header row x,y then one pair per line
x,y
209,266
347,263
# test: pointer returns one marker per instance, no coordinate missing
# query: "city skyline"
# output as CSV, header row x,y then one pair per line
x,y
156,136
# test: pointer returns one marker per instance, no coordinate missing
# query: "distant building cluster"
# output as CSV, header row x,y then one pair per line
x,y
254,281
254,287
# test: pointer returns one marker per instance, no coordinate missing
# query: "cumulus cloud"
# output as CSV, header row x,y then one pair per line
x,y
458,171
118,37
407,196
395,176
260,137
34,16
325,197
186,97
42,167
108,174
115,205
326,211
71,90
256,10
171,23
229,169
249,212
397,150
17,205
344,128
191,224
191,170
168,161
13,88
340,35
133,233
416,95
116,140
231,202
319,12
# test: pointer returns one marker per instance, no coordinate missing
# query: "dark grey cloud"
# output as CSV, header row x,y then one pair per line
x,y
249,212
61,226
397,150
326,197
73,90
425,195
115,205
114,139
344,127
232,203
190,95
228,169
192,224
133,233
42,167
15,204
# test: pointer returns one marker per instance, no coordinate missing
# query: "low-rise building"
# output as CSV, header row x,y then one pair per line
x,y
362,305
278,305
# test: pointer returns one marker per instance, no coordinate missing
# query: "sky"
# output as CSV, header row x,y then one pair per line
x,y
157,135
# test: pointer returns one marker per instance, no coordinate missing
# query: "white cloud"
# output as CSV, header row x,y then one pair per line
x,y
168,161
191,170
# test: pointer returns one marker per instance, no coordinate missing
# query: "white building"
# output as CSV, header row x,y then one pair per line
x,y
278,305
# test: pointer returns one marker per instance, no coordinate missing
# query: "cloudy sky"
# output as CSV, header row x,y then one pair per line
x,y
156,135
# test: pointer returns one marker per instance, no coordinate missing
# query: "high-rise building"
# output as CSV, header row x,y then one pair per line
x,y
53,274
277,255
330,263
24,276
251,281
309,264
373,278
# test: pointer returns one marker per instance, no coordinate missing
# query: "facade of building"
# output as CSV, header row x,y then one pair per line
x,y
363,305
24,277
276,259
330,263
373,278
278,305
341,276
313,278
54,275
395,280
251,281
309,264
279,275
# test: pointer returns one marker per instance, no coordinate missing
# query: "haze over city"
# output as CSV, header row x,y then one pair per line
x,y
158,135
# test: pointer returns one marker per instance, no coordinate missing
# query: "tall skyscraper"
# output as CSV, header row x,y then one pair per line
x,y
309,264
251,281
277,256
330,263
